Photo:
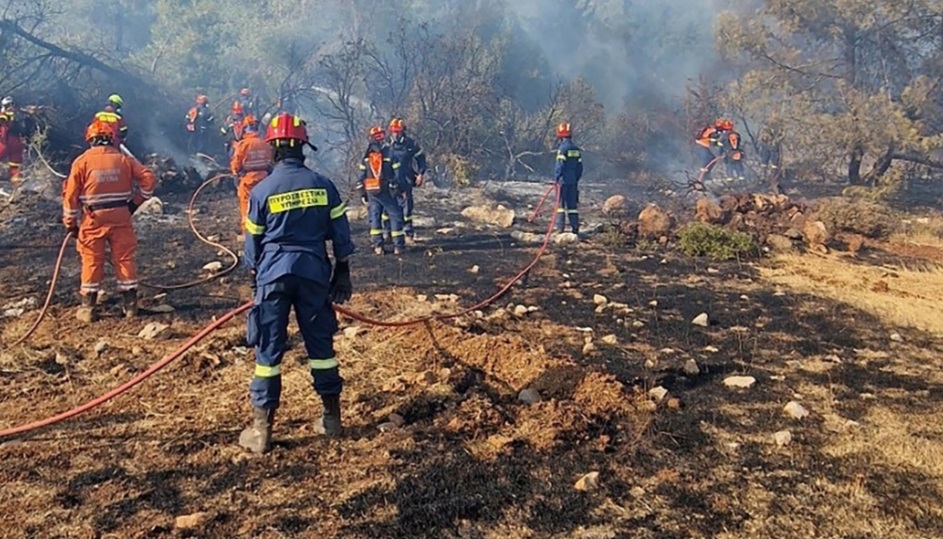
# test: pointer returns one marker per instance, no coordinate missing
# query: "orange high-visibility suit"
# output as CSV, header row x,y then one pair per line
x,y
251,162
102,183
11,144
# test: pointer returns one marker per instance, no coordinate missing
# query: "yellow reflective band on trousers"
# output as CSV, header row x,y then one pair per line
x,y
254,229
265,371
322,364
338,211
376,232
385,217
397,233
294,200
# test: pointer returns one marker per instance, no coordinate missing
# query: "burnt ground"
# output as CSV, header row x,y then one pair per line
x,y
470,460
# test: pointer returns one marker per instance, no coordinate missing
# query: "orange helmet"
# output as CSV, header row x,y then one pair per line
x,y
245,92
397,125
564,130
202,99
377,133
237,108
250,121
723,124
286,128
100,130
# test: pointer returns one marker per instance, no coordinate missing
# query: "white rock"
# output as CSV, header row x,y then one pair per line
x,y
701,320
445,231
532,308
691,368
610,340
529,396
783,437
422,297
600,309
742,382
795,410
153,331
474,269
896,337
745,297
566,238
520,310
353,331
163,308
588,482
637,492
711,349
588,348
638,324
100,346
649,364
387,426
423,221
189,522
599,299
658,394
653,303
214,266
151,206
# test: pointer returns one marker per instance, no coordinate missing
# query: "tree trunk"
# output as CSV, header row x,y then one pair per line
x,y
854,166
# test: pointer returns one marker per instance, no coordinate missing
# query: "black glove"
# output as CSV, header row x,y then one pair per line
x,y
364,199
341,288
73,229
132,207
252,282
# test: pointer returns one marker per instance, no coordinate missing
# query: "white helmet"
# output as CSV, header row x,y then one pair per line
x,y
7,101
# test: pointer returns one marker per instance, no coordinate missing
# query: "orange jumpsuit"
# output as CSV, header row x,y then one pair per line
x,y
11,144
251,162
100,185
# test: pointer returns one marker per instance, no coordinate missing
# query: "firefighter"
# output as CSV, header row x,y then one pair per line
x,y
732,147
251,162
106,187
567,173
405,150
11,138
247,101
380,184
770,157
111,113
709,144
292,216
235,123
199,120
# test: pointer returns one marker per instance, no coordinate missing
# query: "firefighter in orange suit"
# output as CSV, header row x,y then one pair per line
x,y
251,163
104,188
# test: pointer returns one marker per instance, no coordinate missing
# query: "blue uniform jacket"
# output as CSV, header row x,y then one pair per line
x,y
405,151
293,213
569,167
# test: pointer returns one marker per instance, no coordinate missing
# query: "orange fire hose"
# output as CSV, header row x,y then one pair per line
x,y
541,203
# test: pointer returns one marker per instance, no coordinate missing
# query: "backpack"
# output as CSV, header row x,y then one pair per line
x,y
375,162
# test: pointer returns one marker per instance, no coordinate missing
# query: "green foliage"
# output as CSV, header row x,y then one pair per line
x,y
858,216
718,243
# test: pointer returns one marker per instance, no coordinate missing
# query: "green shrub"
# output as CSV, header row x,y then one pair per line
x,y
718,243
857,216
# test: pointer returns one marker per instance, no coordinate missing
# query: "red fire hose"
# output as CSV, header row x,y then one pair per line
x,y
541,203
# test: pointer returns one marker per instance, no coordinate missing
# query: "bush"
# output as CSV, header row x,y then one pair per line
x,y
856,216
718,243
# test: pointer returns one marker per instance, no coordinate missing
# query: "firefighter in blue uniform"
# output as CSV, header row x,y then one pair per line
x,y
405,150
381,183
568,171
293,213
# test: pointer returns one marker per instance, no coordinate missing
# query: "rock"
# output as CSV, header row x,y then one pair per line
x,y
193,521
638,324
653,303
615,206
658,394
151,206
795,410
445,231
793,234
815,233
533,308
742,382
119,370
154,330
163,308
855,242
610,339
100,346
782,438
397,419
691,368
474,269
62,359
565,238
520,310
675,403
708,211
701,320
896,337
353,331
387,426
589,481
599,299
529,396
527,237
214,266
779,243
637,492
497,215
423,221
653,222
711,349
422,298
588,348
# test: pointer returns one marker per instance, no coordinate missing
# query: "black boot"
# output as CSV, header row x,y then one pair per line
x,y
87,312
258,437
129,303
330,422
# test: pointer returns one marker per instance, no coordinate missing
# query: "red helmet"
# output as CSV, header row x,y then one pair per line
x,y
397,125
724,124
564,130
250,121
202,99
377,133
101,130
245,92
286,127
237,108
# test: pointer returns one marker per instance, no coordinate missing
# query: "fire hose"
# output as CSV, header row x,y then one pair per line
x,y
541,203
166,360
